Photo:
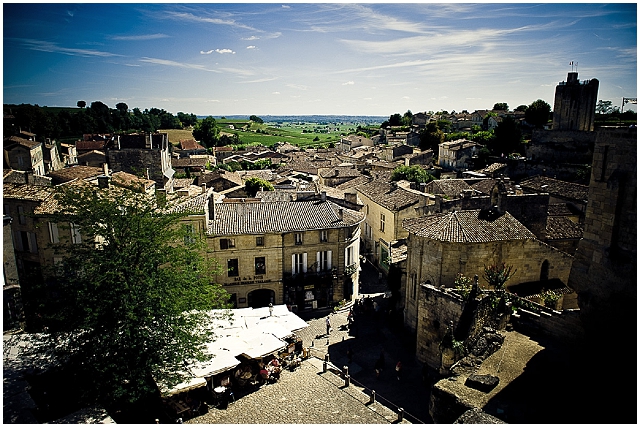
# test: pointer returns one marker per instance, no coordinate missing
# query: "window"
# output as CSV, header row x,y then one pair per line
x,y
260,241
382,222
323,258
298,237
348,256
53,233
189,234
22,219
232,267
299,263
261,268
75,233
367,206
6,209
227,243
324,236
26,242
414,284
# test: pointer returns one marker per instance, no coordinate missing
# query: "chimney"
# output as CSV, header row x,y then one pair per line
x,y
323,196
103,181
105,169
340,213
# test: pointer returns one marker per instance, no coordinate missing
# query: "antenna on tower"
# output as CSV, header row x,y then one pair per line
x,y
574,64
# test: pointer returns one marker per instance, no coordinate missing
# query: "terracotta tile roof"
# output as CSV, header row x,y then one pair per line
x,y
182,182
186,162
279,217
208,177
450,187
339,172
35,193
558,209
388,195
473,226
484,186
494,167
16,140
398,251
92,153
129,180
561,227
353,183
76,172
190,144
194,205
556,187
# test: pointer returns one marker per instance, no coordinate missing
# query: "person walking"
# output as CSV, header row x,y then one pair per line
x,y
398,370
328,325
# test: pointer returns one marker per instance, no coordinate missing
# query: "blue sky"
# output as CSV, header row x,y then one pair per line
x,y
314,58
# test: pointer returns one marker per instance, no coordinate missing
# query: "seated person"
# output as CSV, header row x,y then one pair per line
x,y
264,374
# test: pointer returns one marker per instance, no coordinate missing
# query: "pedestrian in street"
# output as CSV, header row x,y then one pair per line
x,y
328,326
398,370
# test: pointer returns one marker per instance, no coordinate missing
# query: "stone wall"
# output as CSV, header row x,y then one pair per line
x,y
605,268
137,162
561,146
436,310
564,326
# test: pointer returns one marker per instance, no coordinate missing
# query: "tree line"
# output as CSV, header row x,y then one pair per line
x,y
49,122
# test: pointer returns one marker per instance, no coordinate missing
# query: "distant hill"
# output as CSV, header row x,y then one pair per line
x,y
311,118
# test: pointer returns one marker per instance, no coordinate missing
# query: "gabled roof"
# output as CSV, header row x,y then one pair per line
x,y
561,227
389,195
16,140
473,226
190,144
186,162
339,172
353,183
91,145
556,187
129,180
449,187
34,193
279,217
75,172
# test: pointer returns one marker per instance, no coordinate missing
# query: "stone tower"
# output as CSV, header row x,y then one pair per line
x,y
574,107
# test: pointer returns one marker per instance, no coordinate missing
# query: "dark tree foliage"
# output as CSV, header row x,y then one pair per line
x,y
497,275
501,106
508,137
206,131
430,137
395,120
127,303
411,173
187,120
81,104
538,113
254,184
256,119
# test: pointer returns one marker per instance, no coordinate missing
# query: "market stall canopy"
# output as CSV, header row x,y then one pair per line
x,y
190,384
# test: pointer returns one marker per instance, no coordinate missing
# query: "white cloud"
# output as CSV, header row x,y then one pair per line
x,y
141,37
350,82
223,51
251,47
209,52
250,38
184,16
301,87
45,46
177,64
284,6
275,93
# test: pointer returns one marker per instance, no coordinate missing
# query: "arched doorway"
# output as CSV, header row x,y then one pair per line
x,y
544,271
261,298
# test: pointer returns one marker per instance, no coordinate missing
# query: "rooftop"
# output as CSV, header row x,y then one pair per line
x,y
556,187
389,195
279,217
473,226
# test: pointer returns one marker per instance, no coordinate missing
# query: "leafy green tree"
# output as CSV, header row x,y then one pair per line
x,y
501,106
122,107
604,107
187,120
128,302
483,157
430,137
256,119
444,125
206,131
254,184
411,173
537,113
81,104
521,108
395,120
406,118
508,137
497,275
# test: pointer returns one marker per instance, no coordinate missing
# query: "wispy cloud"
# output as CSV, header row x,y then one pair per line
x,y
266,79
350,82
209,52
284,6
223,51
141,37
177,64
300,87
190,17
45,46
250,38
251,47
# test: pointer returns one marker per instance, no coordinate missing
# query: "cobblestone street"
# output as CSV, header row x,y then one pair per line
x,y
309,396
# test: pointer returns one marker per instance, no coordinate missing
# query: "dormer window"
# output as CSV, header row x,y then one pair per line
x,y
324,236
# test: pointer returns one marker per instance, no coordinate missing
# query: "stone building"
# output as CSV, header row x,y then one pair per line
x,y
349,142
332,177
604,270
456,154
301,253
440,246
574,105
11,298
145,154
386,204
24,155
